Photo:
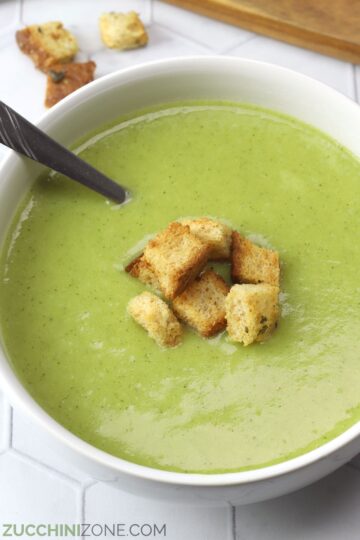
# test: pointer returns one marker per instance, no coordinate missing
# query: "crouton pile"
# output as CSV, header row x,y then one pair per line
x,y
53,48
176,264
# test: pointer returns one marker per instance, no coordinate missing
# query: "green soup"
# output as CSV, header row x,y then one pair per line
x,y
209,405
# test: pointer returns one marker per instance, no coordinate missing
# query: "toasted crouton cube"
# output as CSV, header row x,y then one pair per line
x,y
156,317
63,79
122,30
139,268
252,312
253,264
202,304
214,233
47,44
177,256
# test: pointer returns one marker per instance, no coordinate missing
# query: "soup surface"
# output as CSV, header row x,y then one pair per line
x,y
209,405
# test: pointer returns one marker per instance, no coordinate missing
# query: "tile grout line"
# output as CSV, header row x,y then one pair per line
x,y
21,12
356,89
182,36
6,435
10,419
44,467
82,507
82,501
238,45
151,11
233,521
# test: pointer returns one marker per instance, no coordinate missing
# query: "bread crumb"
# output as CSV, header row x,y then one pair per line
x,y
214,233
176,256
47,44
202,304
253,264
139,268
122,30
252,312
156,317
63,79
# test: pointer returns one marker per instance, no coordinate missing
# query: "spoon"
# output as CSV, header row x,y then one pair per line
x,y
22,136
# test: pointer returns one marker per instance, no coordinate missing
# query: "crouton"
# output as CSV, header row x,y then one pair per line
x,y
139,268
63,79
47,44
214,233
156,317
122,30
253,264
252,312
177,256
202,304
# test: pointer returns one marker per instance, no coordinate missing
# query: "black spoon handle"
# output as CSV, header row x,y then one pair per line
x,y
20,135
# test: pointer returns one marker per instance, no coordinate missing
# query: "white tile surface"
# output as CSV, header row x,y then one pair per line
x,y
9,11
2,153
39,485
18,92
328,510
333,72
182,522
84,12
5,424
164,44
29,439
31,494
216,35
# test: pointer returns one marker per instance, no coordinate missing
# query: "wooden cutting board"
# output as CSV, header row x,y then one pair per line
x,y
328,26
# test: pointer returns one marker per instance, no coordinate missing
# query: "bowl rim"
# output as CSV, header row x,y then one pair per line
x,y
20,397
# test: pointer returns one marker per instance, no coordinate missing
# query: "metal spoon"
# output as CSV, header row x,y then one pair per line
x,y
20,135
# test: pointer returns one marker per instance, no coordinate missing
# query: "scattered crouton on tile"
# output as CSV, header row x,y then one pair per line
x,y
177,256
47,44
202,304
122,30
139,268
63,79
253,264
156,317
214,233
252,312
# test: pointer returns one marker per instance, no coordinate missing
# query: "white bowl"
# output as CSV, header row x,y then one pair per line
x,y
155,83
